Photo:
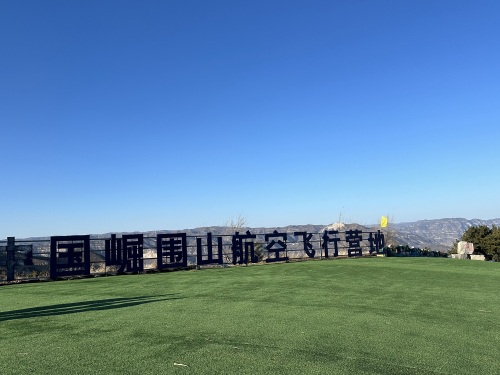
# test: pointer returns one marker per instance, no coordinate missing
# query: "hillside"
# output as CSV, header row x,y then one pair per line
x,y
438,234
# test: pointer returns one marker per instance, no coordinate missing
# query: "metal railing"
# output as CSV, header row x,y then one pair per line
x,y
82,256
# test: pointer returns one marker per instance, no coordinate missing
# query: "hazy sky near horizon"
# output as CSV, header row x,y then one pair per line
x,y
148,115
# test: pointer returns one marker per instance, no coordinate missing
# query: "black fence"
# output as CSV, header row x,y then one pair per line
x,y
407,251
82,256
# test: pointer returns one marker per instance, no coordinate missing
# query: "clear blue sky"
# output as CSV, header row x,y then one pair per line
x,y
143,115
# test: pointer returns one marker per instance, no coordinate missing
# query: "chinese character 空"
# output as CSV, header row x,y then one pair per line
x,y
276,247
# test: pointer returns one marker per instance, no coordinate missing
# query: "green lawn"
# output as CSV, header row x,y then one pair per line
x,y
346,316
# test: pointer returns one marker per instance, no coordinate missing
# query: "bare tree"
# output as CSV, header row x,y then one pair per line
x,y
235,224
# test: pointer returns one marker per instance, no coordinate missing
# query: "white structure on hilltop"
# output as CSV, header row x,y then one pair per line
x,y
335,226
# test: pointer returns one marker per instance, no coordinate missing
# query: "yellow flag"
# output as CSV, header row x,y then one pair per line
x,y
383,222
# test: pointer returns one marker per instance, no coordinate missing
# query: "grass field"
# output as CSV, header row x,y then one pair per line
x,y
348,316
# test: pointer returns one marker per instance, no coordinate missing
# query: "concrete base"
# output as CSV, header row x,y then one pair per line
x,y
477,257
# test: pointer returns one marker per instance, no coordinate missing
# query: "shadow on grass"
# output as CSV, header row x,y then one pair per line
x,y
77,307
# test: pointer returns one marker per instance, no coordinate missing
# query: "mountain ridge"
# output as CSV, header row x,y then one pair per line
x,y
439,234
436,234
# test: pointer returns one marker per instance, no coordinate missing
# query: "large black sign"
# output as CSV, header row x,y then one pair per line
x,y
71,255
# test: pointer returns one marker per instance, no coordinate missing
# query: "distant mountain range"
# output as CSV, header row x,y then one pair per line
x,y
436,234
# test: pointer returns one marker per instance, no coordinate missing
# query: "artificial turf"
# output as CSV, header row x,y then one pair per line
x,y
346,316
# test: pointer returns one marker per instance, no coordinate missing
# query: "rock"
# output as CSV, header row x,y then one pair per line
x,y
477,257
465,247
